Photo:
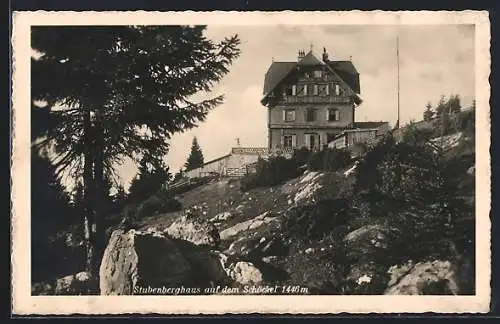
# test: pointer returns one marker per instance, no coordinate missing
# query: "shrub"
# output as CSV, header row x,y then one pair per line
x,y
269,173
329,159
161,202
311,222
301,156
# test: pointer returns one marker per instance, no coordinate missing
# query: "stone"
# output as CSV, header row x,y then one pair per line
x,y
471,170
221,217
72,284
245,273
133,260
424,278
42,289
196,231
309,251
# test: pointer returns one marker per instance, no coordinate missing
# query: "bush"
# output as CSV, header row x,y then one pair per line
x,y
329,159
161,202
311,222
269,173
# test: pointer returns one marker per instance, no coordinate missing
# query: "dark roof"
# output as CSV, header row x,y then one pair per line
x,y
368,125
279,70
348,73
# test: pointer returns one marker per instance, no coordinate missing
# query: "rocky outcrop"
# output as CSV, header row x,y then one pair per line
x,y
194,230
247,225
133,260
424,278
69,285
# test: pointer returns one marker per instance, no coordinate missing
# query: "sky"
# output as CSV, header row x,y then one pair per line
x,y
434,61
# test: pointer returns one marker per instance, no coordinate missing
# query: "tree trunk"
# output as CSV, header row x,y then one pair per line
x,y
88,193
99,193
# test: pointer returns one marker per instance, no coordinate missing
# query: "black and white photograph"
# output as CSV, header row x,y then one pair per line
x,y
315,157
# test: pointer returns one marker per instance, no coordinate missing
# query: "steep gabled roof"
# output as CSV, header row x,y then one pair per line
x,y
348,73
279,70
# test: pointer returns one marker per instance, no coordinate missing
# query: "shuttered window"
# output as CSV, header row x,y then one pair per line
x,y
332,115
288,115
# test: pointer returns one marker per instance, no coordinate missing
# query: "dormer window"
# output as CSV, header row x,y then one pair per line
x,y
318,74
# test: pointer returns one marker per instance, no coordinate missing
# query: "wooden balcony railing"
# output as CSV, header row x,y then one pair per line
x,y
316,99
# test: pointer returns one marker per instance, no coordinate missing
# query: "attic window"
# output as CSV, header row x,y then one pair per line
x,y
336,88
288,90
318,74
323,90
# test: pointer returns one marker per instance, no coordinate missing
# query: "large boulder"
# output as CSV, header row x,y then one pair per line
x,y
424,278
133,260
194,230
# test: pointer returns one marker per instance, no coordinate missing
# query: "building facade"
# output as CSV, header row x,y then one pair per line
x,y
310,101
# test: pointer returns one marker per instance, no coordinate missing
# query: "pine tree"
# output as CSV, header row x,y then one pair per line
x,y
195,159
428,113
122,92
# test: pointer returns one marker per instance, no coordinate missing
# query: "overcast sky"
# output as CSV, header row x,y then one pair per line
x,y
434,61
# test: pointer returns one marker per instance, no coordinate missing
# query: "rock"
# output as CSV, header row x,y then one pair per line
x,y
247,225
367,239
221,217
424,278
72,284
245,273
133,260
471,170
196,231
309,251
269,259
42,289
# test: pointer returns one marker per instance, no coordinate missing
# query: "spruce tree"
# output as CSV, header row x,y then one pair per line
x,y
121,92
195,159
428,113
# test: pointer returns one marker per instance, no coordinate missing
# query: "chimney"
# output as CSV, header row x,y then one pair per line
x,y
301,54
325,55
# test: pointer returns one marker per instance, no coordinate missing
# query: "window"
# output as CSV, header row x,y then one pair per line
x,y
318,73
315,89
310,114
323,89
289,141
302,90
294,90
337,89
288,91
289,115
333,115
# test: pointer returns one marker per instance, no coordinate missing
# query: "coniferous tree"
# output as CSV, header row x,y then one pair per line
x,y
121,92
428,113
195,159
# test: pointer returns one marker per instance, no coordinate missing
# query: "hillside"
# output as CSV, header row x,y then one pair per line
x,y
399,219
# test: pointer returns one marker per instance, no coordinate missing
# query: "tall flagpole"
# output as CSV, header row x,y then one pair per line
x,y
397,58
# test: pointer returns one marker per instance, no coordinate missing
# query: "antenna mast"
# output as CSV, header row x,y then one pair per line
x,y
397,58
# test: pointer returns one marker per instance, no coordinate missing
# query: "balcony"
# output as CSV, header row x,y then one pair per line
x,y
316,99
